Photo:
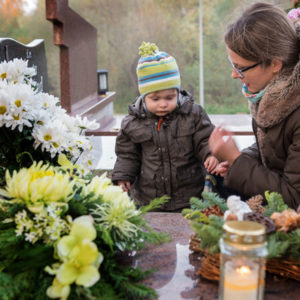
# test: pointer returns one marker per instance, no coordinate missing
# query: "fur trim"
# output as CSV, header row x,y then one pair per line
x,y
281,98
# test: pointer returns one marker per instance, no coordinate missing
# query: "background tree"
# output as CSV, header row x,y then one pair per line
x,y
10,13
122,26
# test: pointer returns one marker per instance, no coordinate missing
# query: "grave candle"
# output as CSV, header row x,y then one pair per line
x,y
243,250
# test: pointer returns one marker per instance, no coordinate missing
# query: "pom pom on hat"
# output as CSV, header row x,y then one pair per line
x,y
156,70
147,49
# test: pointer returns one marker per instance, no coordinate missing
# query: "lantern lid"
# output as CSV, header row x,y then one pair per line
x,y
244,233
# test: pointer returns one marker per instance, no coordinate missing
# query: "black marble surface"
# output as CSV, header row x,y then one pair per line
x,y
175,276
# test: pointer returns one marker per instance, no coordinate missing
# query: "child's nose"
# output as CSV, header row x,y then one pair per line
x,y
163,103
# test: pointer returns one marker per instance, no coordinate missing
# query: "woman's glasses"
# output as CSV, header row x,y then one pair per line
x,y
242,70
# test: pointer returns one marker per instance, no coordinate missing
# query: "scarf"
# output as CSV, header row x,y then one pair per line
x,y
252,97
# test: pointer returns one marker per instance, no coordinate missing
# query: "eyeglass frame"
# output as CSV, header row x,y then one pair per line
x,y
240,71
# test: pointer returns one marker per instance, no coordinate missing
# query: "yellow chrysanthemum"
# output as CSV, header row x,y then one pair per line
x,y
97,186
116,212
38,185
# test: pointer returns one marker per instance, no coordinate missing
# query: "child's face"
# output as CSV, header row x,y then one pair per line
x,y
162,102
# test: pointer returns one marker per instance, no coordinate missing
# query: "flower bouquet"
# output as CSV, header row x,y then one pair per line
x,y
208,215
61,233
33,125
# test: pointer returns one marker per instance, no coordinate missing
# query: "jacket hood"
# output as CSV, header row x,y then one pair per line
x,y
281,98
139,110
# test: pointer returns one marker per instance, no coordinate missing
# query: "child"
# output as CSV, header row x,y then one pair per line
x,y
163,142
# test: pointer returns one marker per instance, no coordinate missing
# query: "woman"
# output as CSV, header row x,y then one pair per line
x,y
263,47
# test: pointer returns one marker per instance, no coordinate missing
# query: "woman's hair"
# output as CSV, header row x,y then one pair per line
x,y
264,32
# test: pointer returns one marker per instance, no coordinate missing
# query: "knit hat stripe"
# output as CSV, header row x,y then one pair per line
x,y
158,57
156,70
158,86
160,80
171,72
146,65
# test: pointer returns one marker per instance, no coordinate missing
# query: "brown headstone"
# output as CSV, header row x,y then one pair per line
x,y
77,40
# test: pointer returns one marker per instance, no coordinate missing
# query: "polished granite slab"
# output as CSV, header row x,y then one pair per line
x,y
176,264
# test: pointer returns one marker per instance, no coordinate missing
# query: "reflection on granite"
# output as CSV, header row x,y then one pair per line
x,y
175,263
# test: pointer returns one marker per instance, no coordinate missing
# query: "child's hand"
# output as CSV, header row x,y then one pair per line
x,y
221,169
125,185
210,163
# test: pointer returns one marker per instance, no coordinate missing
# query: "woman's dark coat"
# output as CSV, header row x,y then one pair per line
x,y
273,163
168,161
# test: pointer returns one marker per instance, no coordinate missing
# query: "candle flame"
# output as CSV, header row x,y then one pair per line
x,y
243,270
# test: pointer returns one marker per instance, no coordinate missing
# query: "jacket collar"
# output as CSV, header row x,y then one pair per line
x,y
281,98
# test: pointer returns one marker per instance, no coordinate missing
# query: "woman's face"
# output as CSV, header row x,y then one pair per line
x,y
255,78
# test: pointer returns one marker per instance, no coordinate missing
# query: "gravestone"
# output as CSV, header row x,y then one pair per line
x,y
77,40
34,52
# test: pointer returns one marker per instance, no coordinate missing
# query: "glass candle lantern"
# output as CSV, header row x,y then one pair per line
x,y
243,252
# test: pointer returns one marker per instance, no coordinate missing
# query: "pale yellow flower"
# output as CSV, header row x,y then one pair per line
x,y
79,254
58,290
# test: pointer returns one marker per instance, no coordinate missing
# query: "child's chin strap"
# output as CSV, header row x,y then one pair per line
x,y
159,123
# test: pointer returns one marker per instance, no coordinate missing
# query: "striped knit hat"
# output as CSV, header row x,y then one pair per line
x,y
156,70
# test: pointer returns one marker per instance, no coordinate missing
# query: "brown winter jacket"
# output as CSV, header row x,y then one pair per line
x,y
165,162
273,163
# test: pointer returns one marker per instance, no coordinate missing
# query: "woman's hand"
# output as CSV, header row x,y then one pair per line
x,y
223,146
125,185
210,163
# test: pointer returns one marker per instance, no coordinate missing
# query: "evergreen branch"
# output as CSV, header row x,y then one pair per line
x,y
155,203
275,203
214,199
155,237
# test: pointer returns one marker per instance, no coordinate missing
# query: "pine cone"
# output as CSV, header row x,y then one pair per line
x,y
212,210
287,220
260,218
255,203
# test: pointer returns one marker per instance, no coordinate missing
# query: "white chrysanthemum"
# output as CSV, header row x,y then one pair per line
x,y
52,128
51,137
84,143
21,105
42,117
47,101
17,71
76,144
86,161
5,108
84,123
3,70
70,124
